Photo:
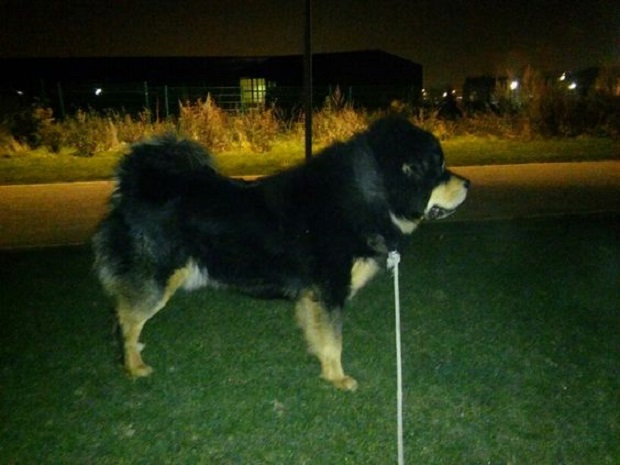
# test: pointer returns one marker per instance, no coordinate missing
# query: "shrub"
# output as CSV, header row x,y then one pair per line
x,y
204,122
257,128
8,144
29,125
337,120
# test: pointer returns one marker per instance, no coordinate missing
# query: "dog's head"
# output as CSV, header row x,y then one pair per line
x,y
415,177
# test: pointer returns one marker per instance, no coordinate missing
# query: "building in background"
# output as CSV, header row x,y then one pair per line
x,y
370,79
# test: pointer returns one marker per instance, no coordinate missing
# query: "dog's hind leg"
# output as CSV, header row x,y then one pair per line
x,y
134,313
132,319
323,331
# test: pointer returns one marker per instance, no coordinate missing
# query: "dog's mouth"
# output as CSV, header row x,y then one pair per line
x,y
446,198
437,213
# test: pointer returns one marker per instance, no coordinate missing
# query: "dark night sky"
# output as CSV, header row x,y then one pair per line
x,y
450,38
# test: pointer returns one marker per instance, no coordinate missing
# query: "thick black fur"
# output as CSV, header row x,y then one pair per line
x,y
282,235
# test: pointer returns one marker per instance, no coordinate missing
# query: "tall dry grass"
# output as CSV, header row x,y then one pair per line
x,y
544,110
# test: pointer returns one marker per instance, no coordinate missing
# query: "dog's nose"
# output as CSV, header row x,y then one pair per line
x,y
466,182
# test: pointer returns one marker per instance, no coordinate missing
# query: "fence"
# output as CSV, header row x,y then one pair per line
x,y
163,101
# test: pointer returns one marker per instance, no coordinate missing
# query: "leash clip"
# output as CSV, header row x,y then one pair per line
x,y
393,259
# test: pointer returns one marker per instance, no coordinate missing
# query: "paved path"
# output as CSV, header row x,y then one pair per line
x,y
538,189
58,214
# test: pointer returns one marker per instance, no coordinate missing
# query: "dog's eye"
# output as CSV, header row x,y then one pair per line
x,y
407,169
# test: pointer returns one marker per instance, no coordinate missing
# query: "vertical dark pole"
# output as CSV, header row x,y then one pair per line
x,y
166,103
308,76
61,100
147,103
43,94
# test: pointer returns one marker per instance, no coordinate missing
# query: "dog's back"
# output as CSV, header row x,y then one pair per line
x,y
154,170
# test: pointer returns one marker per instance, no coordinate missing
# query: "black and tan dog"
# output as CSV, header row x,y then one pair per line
x,y
315,234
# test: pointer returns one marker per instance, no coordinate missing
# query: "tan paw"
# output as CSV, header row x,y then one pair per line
x,y
135,366
346,384
139,371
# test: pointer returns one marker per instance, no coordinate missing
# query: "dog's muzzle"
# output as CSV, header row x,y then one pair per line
x,y
446,197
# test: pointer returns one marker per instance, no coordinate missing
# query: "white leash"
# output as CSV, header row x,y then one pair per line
x,y
392,264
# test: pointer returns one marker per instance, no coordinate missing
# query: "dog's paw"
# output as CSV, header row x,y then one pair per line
x,y
140,370
346,384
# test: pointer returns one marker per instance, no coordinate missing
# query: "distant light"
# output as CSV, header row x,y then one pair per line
x,y
20,93
98,91
514,85
562,77
572,85
444,95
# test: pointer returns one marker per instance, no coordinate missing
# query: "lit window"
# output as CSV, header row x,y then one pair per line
x,y
252,91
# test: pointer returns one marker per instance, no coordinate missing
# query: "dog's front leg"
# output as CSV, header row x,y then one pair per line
x,y
323,331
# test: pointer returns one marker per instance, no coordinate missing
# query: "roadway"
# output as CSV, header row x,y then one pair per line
x,y
63,214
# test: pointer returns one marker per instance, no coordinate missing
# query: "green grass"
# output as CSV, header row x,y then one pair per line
x,y
40,166
510,350
466,151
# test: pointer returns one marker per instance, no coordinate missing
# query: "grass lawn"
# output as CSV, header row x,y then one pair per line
x,y
40,166
511,349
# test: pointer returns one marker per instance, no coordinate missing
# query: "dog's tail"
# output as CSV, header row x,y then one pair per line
x,y
156,169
